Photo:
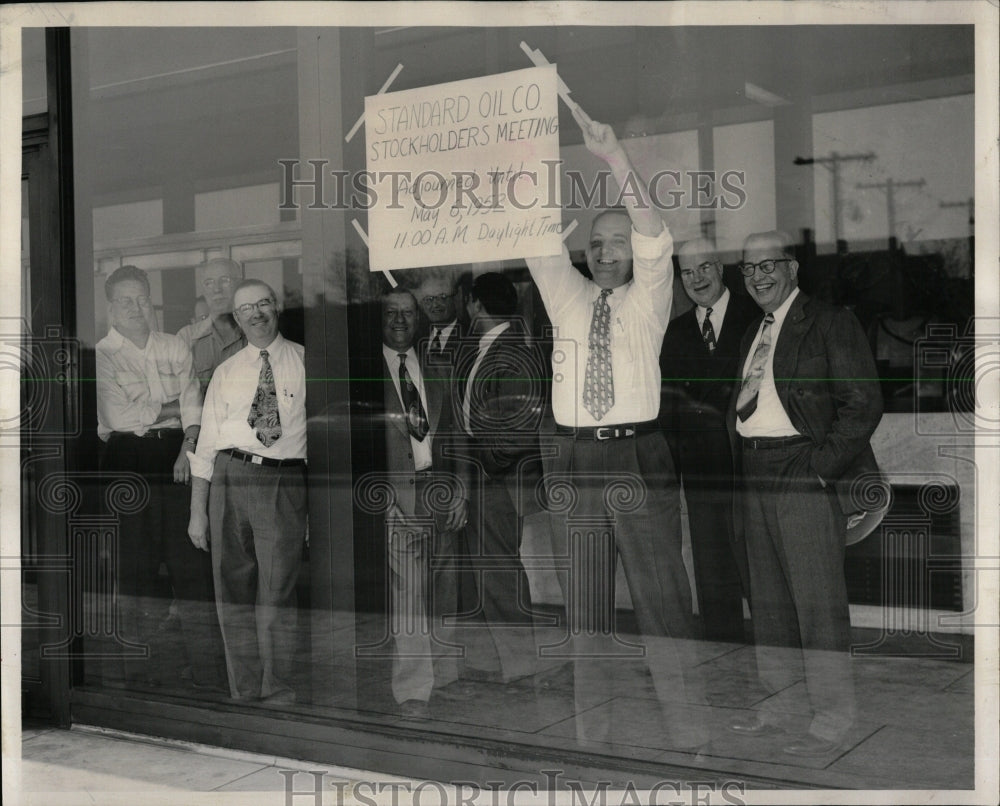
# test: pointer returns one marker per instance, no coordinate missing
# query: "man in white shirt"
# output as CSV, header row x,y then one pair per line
x,y
201,313
610,448
802,419
148,410
249,482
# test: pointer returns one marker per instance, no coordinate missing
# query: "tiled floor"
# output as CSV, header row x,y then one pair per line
x,y
915,726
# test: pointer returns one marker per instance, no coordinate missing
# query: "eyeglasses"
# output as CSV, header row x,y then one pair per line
x,y
439,298
701,268
132,302
248,308
766,266
217,285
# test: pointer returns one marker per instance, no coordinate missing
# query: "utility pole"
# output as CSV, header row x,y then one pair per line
x,y
890,186
970,205
833,163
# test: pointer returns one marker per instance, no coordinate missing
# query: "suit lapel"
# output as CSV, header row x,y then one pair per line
x,y
393,408
786,351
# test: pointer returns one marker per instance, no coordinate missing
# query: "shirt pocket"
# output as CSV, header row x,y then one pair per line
x,y
133,385
169,378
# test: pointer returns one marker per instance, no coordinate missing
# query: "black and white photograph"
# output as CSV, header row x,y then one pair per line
x,y
500,403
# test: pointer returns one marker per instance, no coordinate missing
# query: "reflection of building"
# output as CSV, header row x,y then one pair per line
x,y
176,140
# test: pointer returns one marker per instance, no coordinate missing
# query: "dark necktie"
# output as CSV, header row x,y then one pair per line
x,y
436,341
264,417
708,332
598,381
416,420
746,403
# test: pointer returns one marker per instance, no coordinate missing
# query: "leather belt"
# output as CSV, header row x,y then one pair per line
x,y
153,433
254,459
600,433
764,443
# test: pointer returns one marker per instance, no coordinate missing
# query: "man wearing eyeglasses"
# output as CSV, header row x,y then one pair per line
x,y
217,337
698,361
148,411
249,482
436,295
801,418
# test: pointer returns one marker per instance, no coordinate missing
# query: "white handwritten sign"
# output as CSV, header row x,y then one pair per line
x,y
464,172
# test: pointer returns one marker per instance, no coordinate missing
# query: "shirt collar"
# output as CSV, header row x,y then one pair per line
x,y
253,353
718,307
782,311
117,341
392,356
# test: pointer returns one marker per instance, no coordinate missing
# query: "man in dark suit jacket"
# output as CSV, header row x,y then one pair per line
x,y
417,428
698,361
499,405
802,420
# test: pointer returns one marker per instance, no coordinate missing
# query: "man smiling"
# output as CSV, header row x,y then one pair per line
x,y
249,482
801,420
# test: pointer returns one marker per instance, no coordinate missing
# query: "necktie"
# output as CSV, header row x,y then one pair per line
x,y
598,383
746,403
436,341
708,332
416,420
264,417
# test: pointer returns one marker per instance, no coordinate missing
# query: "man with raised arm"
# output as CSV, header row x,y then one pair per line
x,y
612,453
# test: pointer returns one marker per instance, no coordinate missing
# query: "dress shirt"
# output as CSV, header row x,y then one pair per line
x,y
421,448
770,418
640,312
230,395
485,341
191,333
718,314
133,384
445,331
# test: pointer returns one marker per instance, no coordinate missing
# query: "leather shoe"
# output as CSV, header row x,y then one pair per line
x,y
810,746
456,690
753,726
416,710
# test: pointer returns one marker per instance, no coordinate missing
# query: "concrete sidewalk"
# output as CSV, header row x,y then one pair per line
x,y
100,767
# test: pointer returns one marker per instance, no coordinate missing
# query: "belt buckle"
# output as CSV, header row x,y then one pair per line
x,y
256,460
603,432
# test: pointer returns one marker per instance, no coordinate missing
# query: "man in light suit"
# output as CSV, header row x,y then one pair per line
x,y
499,402
801,420
421,543
698,361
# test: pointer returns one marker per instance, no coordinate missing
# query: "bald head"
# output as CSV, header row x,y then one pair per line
x,y
701,271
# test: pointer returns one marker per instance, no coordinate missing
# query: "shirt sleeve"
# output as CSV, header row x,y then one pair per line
x,y
116,408
557,280
653,273
213,412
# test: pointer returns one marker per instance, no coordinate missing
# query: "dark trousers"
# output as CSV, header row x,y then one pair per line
x,y
494,539
795,548
257,517
155,533
705,462
620,498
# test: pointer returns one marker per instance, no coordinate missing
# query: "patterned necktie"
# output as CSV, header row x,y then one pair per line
x,y
416,420
598,382
746,403
708,332
264,417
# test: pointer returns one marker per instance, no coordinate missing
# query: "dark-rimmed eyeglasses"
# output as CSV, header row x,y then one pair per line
x,y
248,308
766,266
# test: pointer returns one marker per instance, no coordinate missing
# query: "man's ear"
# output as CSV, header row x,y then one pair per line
x,y
793,268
